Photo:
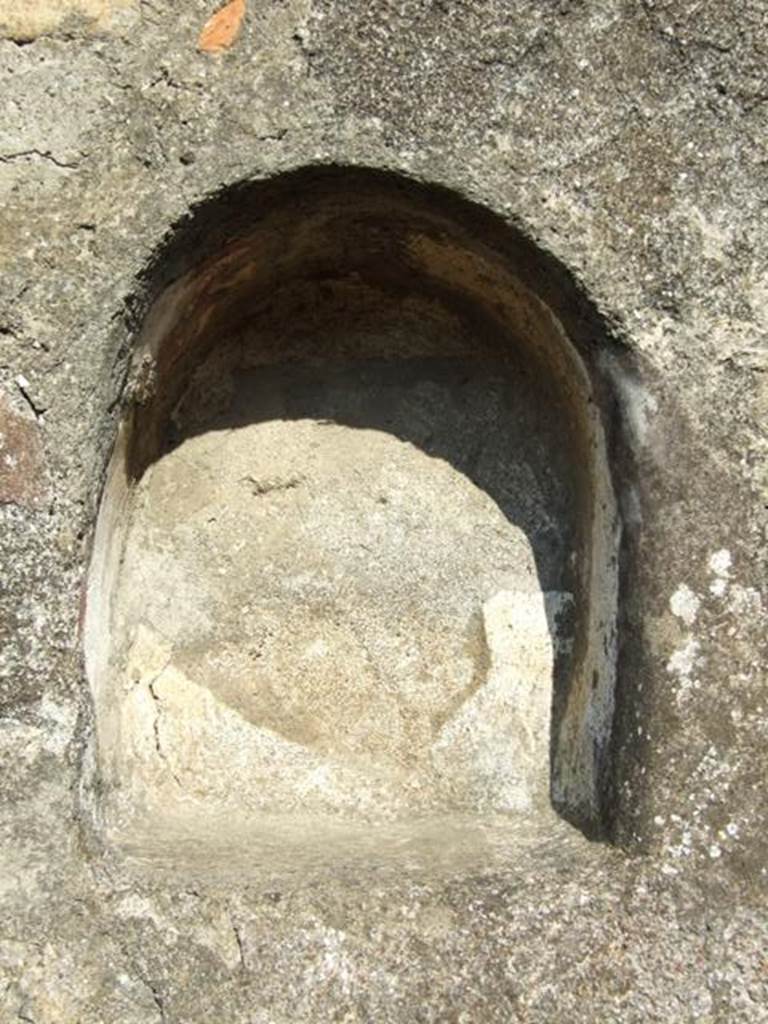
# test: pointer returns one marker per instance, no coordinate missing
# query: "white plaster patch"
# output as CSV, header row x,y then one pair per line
x,y
684,658
684,604
718,586
745,602
720,563
685,847
682,664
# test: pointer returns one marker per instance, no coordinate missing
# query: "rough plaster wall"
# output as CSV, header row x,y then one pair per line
x,y
628,139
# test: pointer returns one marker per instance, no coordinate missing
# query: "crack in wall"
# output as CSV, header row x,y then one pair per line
x,y
239,940
156,731
39,154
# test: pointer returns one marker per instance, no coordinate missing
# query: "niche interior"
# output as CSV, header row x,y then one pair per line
x,y
354,581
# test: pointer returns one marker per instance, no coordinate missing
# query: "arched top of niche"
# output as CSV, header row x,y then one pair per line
x,y
223,263
237,246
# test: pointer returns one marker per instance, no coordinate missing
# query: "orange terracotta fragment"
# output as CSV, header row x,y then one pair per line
x,y
221,30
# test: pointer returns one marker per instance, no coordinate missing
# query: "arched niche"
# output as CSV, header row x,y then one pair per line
x,y
355,571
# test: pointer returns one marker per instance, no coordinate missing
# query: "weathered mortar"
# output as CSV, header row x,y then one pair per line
x,y
629,143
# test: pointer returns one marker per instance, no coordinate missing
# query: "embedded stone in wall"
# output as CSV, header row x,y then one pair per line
x,y
330,626
24,20
22,468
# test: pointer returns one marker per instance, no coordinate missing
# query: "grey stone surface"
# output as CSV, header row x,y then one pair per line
x,y
628,142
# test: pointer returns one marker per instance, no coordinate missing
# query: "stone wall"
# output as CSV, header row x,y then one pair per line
x,y
624,145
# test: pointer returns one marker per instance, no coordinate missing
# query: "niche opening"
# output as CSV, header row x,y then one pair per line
x,y
354,582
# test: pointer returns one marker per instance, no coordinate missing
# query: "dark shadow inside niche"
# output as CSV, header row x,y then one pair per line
x,y
324,313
